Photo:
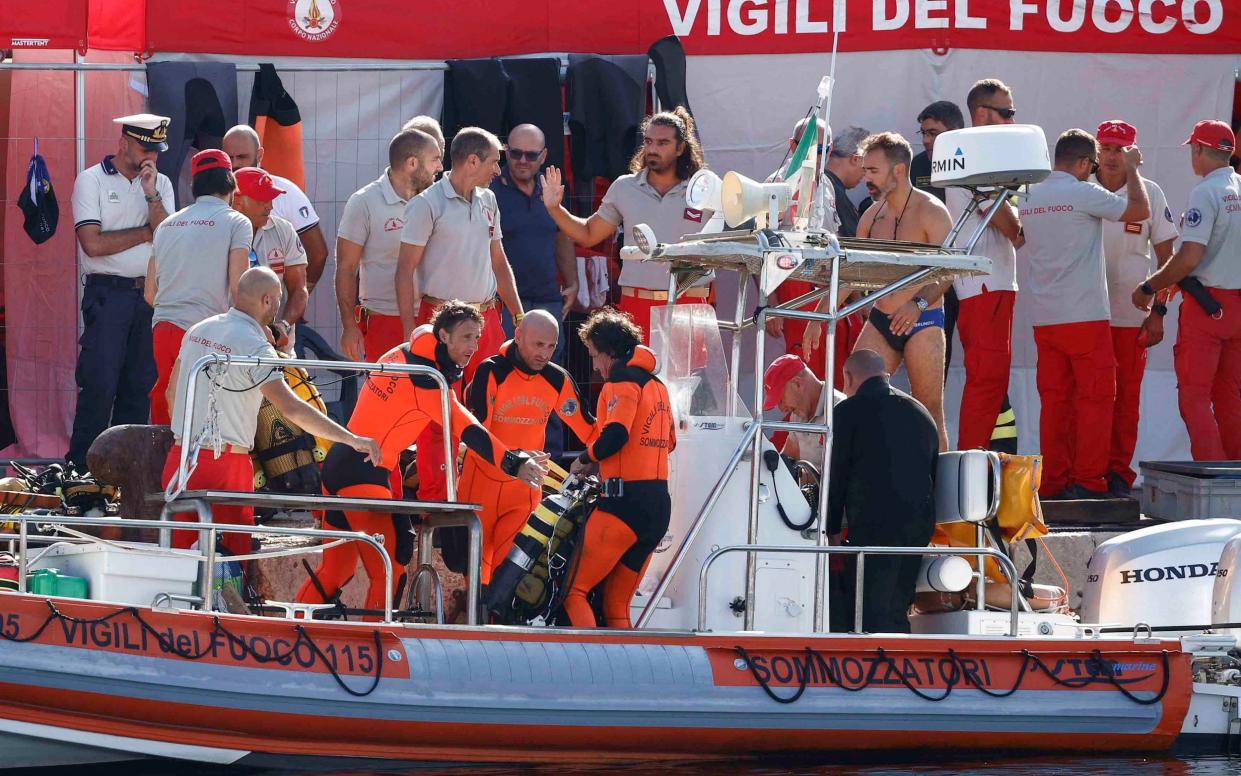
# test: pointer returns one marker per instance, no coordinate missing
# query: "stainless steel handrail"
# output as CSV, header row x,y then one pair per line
x,y
211,530
189,387
1003,560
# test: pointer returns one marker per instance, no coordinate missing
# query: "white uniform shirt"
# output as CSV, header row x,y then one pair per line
x,y
104,197
1213,219
1127,246
237,409
293,205
191,260
374,217
630,200
992,244
457,234
1063,222
277,246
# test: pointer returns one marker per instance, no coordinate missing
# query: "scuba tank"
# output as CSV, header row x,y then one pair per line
x,y
287,458
527,584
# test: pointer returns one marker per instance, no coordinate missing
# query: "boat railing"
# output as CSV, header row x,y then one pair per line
x,y
208,557
188,390
861,552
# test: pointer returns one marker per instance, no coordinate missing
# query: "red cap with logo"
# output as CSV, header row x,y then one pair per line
x,y
212,159
1116,132
777,376
256,184
1213,134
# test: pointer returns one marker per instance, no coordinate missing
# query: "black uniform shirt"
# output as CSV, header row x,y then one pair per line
x,y
846,211
884,451
920,174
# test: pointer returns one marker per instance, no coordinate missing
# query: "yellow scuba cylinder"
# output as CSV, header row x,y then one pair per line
x,y
286,457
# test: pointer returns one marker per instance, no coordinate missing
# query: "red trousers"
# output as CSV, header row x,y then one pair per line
x,y
1130,366
341,562
639,308
231,471
1077,388
507,504
1208,376
431,483
985,325
166,343
381,333
847,332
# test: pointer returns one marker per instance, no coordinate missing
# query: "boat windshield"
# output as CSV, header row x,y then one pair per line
x,y
686,340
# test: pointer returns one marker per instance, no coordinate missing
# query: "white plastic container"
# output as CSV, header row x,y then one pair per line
x,y
1190,490
128,573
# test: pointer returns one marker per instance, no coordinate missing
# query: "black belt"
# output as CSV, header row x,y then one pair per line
x,y
115,281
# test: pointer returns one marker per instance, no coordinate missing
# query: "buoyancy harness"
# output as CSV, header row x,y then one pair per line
x,y
286,457
531,582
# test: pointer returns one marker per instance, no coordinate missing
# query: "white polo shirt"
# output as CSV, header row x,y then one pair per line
x,y
191,260
992,244
457,234
1063,222
237,397
630,200
1213,219
374,218
1127,248
106,198
293,205
277,247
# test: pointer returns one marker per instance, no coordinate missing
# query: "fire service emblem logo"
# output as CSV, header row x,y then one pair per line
x,y
314,20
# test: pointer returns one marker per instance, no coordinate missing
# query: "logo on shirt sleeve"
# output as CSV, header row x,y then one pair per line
x,y
1167,213
569,407
304,210
1193,217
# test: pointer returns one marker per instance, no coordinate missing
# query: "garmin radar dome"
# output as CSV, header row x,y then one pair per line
x,y
1010,155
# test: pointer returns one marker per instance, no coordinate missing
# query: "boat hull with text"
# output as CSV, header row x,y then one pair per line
x,y
99,682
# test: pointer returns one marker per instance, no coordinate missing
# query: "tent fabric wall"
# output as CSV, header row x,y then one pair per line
x,y
1162,96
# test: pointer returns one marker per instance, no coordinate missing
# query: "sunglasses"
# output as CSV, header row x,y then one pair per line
x,y
930,132
1094,165
517,154
1005,113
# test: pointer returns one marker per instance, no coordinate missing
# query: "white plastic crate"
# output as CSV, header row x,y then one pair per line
x,y
130,573
1171,492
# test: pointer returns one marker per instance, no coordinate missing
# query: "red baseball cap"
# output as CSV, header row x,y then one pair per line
x,y
1213,134
212,159
1116,132
777,376
256,184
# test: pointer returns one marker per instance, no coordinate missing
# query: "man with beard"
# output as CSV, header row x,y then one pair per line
x,y
652,194
368,242
906,325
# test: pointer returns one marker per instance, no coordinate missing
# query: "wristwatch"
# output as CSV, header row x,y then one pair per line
x,y
152,197
1147,288
1159,308
922,304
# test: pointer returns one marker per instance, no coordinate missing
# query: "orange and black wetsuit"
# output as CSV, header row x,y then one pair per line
x,y
634,436
514,402
393,409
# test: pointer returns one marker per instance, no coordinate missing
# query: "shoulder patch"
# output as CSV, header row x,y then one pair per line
x,y
569,407
612,402
1193,217
1167,213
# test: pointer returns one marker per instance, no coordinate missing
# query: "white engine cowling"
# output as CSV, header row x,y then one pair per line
x,y
1163,575
1226,594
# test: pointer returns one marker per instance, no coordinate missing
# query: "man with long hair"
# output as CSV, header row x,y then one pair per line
x,y
652,194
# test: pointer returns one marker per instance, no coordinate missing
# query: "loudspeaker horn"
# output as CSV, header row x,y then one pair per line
x,y
744,199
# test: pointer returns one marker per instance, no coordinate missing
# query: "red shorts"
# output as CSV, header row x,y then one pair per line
x,y
380,333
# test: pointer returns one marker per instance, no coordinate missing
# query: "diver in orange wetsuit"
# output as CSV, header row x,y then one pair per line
x,y
513,394
395,408
634,436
